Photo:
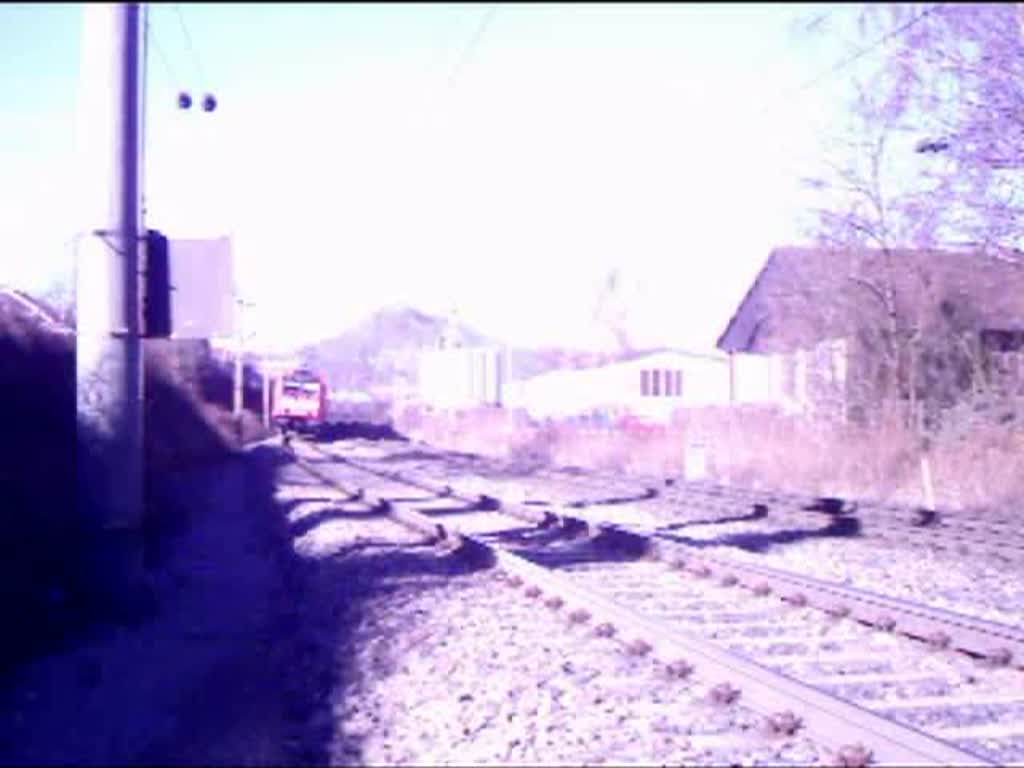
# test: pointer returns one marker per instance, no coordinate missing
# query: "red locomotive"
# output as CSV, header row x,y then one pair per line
x,y
299,401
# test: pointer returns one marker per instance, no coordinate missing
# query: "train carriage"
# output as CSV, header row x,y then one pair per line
x,y
299,401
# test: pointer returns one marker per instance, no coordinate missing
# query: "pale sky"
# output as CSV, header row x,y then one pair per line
x,y
356,163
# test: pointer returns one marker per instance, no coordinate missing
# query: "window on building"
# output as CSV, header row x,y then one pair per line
x,y
656,382
1002,341
645,383
679,383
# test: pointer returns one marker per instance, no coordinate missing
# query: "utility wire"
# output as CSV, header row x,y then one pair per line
x,y
151,40
188,42
169,85
470,49
462,61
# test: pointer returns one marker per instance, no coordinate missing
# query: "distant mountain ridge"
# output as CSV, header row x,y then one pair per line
x,y
382,350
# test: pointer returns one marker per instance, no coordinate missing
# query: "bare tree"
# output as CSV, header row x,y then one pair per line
x,y
612,309
61,296
866,214
953,74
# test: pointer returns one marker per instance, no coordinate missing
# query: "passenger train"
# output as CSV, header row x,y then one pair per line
x,y
299,401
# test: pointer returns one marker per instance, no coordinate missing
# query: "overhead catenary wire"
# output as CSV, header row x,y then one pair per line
x,y
153,41
170,85
179,85
452,80
189,44
434,96
846,62
472,46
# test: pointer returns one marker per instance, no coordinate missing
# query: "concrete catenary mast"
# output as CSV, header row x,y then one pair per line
x,y
109,382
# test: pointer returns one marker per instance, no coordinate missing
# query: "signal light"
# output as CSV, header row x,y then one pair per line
x,y
156,302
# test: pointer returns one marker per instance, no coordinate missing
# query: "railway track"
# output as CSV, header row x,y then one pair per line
x,y
980,638
979,524
987,534
750,632
832,547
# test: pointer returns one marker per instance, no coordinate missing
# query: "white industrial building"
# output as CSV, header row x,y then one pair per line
x,y
650,384
463,377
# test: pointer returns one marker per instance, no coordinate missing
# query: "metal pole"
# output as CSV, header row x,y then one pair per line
x,y
236,408
266,397
732,378
108,348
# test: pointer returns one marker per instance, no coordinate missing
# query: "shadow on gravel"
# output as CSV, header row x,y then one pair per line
x,y
525,534
840,527
562,547
288,506
421,455
305,524
250,652
646,495
830,505
328,593
458,507
758,512
576,553
323,601
357,430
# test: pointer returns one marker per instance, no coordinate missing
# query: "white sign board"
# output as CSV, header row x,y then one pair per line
x,y
202,288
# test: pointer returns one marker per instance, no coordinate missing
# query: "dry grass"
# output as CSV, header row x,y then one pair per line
x,y
986,470
188,407
758,447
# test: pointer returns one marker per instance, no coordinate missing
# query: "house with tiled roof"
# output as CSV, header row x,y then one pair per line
x,y
844,327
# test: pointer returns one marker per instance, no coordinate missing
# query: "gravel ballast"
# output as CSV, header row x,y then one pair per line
x,y
449,665
971,585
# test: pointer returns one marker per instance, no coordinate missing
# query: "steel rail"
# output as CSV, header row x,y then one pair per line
x,y
943,532
999,643
883,513
902,514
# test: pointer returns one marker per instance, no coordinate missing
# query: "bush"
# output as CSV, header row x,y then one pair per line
x,y
755,446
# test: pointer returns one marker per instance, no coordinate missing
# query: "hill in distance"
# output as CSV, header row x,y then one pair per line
x,y
382,350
